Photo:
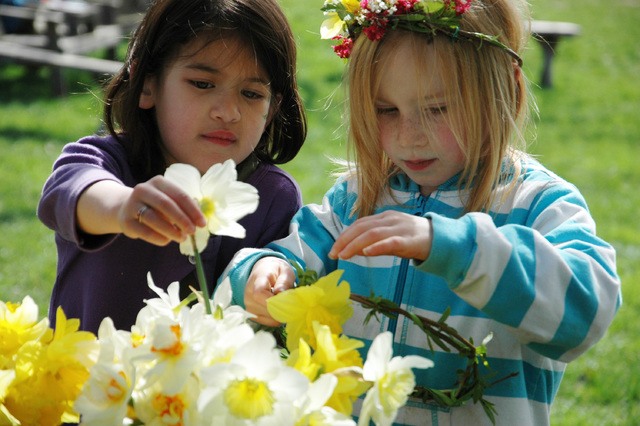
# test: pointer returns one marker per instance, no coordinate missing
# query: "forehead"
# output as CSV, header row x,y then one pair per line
x,y
410,62
229,51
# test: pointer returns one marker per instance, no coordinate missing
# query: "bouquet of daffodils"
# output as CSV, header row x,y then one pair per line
x,y
181,366
201,361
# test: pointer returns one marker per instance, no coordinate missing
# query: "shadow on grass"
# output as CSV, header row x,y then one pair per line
x,y
13,215
30,83
15,134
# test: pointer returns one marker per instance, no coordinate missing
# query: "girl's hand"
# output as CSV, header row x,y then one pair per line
x,y
159,212
389,233
156,211
269,276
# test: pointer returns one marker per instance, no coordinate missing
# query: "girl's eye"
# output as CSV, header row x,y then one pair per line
x,y
201,84
437,110
386,110
250,94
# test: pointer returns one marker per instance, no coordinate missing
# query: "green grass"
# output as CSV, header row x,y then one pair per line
x,y
588,131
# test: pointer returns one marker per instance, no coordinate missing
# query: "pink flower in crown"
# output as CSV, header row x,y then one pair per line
x,y
344,46
375,31
461,6
405,6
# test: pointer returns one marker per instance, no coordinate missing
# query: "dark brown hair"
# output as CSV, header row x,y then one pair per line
x,y
170,24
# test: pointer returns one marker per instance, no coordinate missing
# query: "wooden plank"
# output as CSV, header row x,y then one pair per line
x,y
41,56
102,37
554,28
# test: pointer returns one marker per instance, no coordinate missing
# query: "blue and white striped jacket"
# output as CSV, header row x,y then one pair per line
x,y
532,272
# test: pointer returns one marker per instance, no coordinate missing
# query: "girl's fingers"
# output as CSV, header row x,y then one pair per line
x,y
162,211
154,227
389,233
188,209
355,238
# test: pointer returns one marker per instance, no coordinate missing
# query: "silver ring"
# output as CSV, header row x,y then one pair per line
x,y
140,212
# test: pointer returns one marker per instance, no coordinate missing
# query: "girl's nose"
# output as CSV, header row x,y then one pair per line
x,y
226,108
412,132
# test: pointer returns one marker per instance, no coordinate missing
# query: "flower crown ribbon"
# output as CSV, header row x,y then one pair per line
x,y
347,19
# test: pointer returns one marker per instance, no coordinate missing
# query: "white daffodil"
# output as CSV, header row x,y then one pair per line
x,y
155,406
393,381
331,27
311,409
169,353
167,303
222,198
105,395
254,388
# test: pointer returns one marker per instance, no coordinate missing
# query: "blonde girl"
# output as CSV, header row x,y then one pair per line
x,y
442,211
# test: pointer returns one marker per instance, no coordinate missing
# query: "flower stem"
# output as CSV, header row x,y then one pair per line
x,y
202,281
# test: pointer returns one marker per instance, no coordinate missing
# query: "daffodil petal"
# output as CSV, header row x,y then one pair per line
x,y
378,356
221,172
331,27
410,361
186,177
241,200
230,229
202,238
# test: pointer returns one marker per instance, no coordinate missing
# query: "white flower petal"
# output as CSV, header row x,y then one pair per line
x,y
409,361
331,27
221,172
230,229
186,177
240,199
202,238
378,357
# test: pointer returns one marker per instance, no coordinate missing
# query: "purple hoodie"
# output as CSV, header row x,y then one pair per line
x,y
106,276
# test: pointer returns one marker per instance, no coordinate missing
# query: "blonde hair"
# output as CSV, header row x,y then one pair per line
x,y
488,93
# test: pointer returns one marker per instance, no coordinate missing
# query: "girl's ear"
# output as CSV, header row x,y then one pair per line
x,y
520,86
147,98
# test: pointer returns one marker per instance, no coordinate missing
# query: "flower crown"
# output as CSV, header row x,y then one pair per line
x,y
346,19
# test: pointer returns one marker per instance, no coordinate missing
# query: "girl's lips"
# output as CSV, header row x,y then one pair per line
x,y
221,137
417,165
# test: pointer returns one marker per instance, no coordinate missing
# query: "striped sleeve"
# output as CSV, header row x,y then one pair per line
x,y
546,275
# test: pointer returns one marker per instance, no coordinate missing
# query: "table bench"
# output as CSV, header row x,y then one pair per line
x,y
548,34
72,30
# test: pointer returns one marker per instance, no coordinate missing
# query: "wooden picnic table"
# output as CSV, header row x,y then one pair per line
x,y
548,34
71,31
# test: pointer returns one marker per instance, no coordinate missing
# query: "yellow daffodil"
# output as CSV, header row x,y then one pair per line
x,y
18,324
300,359
50,373
393,381
335,353
326,301
222,198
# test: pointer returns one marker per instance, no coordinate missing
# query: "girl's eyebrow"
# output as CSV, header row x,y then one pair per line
x,y
212,70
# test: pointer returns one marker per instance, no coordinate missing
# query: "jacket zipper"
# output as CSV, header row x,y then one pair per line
x,y
397,297
402,274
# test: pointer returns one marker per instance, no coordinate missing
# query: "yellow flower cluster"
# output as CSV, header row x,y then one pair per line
x,y
314,316
41,370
